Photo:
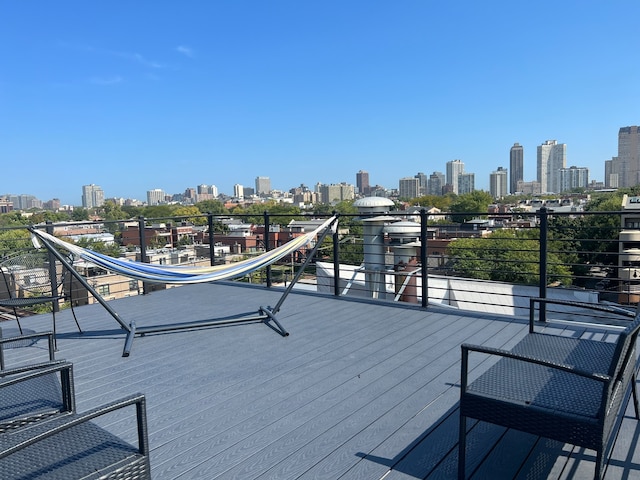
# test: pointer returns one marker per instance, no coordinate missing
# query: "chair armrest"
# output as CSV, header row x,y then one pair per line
x,y
29,336
466,348
596,307
36,370
15,441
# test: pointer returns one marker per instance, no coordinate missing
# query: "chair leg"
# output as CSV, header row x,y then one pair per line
x,y
634,391
15,314
55,341
598,473
462,447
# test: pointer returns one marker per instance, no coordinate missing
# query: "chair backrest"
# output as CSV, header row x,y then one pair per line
x,y
625,347
30,274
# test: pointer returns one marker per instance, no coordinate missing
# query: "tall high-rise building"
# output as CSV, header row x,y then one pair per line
x,y
238,191
610,178
92,196
409,187
573,177
424,182
498,183
466,183
552,157
454,169
362,182
156,196
516,166
435,184
263,186
625,168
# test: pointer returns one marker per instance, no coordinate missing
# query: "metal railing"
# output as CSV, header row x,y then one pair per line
x,y
490,264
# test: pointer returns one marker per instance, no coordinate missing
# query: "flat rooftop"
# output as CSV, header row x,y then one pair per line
x,y
358,390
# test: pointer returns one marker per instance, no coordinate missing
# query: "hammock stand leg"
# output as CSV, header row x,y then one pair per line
x,y
130,329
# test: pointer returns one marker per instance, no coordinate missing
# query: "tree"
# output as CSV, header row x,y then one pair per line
x,y
471,205
110,249
191,214
14,240
443,202
80,214
112,211
507,256
214,207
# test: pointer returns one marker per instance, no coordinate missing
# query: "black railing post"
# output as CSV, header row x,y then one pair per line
x,y
336,260
53,274
423,257
267,243
143,249
544,226
212,249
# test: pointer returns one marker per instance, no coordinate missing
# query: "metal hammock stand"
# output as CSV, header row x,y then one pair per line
x,y
267,315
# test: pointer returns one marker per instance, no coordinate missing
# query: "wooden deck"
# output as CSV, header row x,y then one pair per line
x,y
359,390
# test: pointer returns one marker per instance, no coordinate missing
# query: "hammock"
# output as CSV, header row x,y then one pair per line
x,y
181,274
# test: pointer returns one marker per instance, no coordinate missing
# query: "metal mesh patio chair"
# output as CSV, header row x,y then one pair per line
x,y
30,279
73,446
564,388
33,393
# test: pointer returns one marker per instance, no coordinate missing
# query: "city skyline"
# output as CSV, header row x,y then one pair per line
x,y
136,96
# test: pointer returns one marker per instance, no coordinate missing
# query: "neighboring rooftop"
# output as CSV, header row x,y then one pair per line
x,y
359,390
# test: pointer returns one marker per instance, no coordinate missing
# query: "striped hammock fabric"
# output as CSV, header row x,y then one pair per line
x,y
181,274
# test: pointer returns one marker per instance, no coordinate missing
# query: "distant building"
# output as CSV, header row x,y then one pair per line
x,y
516,166
6,206
156,197
466,183
573,177
610,178
409,187
92,196
362,182
625,168
335,193
424,183
529,188
498,183
263,186
238,191
454,169
552,157
435,184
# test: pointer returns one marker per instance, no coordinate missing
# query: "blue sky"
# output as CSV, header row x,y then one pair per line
x,y
139,95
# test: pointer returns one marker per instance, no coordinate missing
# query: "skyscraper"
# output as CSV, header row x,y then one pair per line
x,y
625,168
424,181
263,186
573,177
156,196
552,156
498,183
466,183
92,196
362,182
516,166
435,184
409,187
238,191
454,169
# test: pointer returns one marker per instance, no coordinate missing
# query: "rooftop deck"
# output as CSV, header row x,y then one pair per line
x,y
359,390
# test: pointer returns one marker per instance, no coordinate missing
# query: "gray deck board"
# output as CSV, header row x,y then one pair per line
x,y
359,390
